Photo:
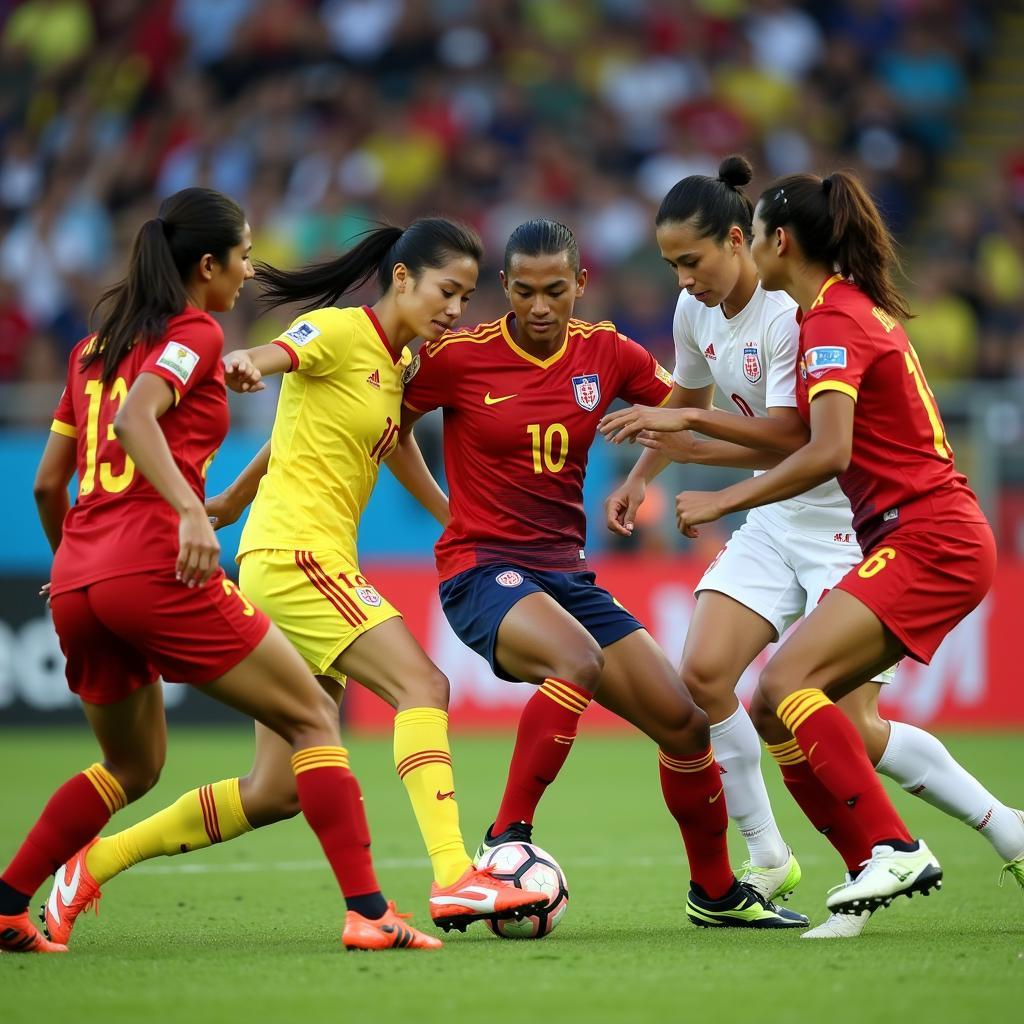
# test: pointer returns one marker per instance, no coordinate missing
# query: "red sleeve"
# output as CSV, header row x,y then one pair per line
x,y
644,381
64,415
429,383
835,353
191,354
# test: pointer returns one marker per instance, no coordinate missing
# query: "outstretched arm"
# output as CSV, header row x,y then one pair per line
x,y
407,464
227,507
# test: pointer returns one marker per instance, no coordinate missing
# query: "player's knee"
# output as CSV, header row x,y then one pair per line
x,y
267,798
706,685
775,683
685,728
433,690
136,778
582,666
313,719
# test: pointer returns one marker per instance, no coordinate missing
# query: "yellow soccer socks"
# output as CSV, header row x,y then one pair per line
x,y
200,818
424,763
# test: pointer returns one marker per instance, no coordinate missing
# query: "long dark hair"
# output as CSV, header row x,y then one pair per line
x,y
713,204
838,225
189,224
543,238
427,242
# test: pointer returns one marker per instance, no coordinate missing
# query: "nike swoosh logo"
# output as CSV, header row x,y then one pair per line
x,y
445,796
712,799
494,401
810,753
564,740
64,889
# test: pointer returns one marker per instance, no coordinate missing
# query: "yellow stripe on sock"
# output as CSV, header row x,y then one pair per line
x,y
799,706
107,786
786,753
678,765
564,697
319,757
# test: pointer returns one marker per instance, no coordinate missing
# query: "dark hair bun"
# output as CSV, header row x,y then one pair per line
x,y
735,171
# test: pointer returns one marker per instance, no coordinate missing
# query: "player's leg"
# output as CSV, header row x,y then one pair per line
x,y
639,684
839,644
126,714
723,638
388,660
539,642
923,766
273,685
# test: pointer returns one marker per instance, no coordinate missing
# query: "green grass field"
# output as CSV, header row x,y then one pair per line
x,y
249,930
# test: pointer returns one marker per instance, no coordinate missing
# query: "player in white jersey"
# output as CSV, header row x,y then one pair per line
x,y
731,334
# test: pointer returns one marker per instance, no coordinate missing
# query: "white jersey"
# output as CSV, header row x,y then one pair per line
x,y
751,359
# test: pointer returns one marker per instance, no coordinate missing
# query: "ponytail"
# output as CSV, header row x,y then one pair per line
x,y
191,223
837,224
427,242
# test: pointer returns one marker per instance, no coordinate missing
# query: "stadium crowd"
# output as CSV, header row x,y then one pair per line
x,y
321,117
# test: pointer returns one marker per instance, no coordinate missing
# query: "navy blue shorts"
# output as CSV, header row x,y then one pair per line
x,y
476,601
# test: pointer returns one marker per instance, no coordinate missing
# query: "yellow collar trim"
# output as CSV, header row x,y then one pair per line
x,y
523,354
834,279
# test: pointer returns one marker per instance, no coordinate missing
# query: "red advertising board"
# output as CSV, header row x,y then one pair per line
x,y
973,681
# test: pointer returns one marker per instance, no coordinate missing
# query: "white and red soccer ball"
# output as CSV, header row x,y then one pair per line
x,y
529,867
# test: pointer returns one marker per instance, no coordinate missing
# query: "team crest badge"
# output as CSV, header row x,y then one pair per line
x,y
751,364
368,595
412,369
509,578
587,390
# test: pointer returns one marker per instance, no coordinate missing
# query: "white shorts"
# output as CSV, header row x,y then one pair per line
x,y
782,574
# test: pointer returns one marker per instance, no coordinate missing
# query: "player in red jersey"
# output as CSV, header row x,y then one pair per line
x,y
136,590
929,555
522,397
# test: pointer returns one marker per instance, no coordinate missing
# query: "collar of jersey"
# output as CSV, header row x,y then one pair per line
x,y
820,298
395,359
523,354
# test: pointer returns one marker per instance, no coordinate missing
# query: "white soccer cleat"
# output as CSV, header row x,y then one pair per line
x,y
888,874
840,926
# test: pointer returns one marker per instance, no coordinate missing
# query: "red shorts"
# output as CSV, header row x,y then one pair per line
x,y
120,634
921,581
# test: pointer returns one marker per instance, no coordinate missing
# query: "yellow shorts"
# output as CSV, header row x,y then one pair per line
x,y
318,599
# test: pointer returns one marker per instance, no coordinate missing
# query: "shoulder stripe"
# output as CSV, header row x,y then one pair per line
x,y
582,329
831,385
65,429
478,337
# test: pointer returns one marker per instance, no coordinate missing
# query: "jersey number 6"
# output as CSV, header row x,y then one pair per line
x,y
544,457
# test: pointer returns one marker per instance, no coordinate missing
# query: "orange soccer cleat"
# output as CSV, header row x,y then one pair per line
x,y
19,935
387,932
74,890
478,895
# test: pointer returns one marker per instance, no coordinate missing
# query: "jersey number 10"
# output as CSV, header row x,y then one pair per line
x,y
543,447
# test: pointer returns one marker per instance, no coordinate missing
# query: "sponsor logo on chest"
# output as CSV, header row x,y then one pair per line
x,y
587,391
751,363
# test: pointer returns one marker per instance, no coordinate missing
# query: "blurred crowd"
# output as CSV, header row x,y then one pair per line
x,y
323,116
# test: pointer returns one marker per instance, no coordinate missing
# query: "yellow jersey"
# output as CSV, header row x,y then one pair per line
x,y
337,419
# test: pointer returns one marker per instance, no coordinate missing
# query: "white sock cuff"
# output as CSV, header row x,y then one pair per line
x,y
897,730
736,720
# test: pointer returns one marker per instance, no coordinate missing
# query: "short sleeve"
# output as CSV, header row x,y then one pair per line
x,y
781,346
64,415
836,353
644,381
692,370
317,342
191,353
429,378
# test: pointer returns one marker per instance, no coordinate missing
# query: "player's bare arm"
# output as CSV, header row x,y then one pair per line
x,y
56,468
245,368
136,426
825,454
409,468
621,505
227,507
683,446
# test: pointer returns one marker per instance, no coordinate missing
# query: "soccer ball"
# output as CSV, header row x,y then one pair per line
x,y
529,867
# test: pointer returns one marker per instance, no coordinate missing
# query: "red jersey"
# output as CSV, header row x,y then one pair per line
x,y
119,523
517,430
900,452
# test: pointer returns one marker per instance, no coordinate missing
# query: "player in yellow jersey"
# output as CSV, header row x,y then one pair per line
x,y
337,420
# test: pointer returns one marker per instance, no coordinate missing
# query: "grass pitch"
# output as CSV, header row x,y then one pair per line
x,y
249,930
